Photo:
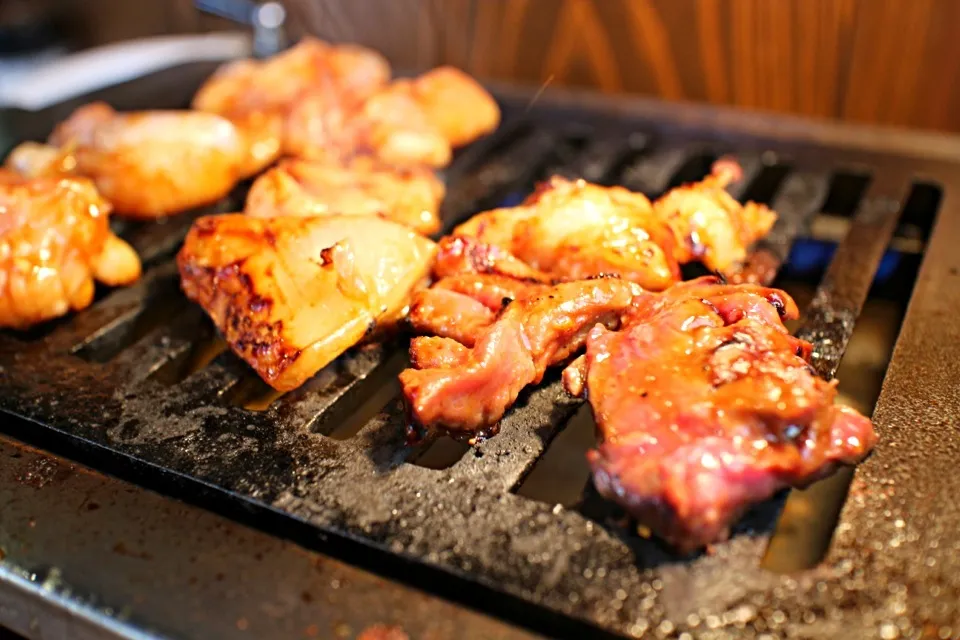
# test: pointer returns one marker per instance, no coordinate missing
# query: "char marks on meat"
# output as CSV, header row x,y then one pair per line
x,y
706,405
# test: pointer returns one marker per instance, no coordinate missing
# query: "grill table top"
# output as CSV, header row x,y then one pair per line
x,y
89,387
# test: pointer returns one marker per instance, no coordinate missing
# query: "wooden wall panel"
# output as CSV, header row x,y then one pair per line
x,y
879,61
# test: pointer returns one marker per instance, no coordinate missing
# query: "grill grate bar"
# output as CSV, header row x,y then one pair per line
x,y
111,313
652,172
831,316
798,199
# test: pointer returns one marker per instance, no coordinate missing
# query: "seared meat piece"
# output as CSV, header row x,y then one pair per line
x,y
569,230
707,405
290,294
388,125
460,255
460,307
55,239
358,187
574,230
454,103
148,164
406,123
257,95
470,390
709,224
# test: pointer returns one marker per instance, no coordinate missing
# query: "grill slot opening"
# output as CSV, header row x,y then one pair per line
x,y
163,304
766,184
363,400
919,212
561,474
846,191
693,169
442,453
202,350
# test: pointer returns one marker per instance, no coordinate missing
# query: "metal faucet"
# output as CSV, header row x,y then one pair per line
x,y
266,20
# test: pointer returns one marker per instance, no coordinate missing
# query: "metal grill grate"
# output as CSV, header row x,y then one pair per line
x,y
137,385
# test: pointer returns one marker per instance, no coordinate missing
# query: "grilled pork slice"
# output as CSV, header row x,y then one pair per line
x,y
148,164
291,294
257,95
460,307
466,391
358,187
707,405
55,240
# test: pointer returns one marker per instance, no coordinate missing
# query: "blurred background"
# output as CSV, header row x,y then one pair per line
x,y
892,62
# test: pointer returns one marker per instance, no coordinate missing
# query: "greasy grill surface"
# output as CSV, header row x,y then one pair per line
x,y
111,381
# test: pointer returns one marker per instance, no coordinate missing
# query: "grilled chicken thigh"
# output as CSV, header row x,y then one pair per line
x,y
574,229
290,294
388,125
707,405
358,187
258,95
148,164
568,230
454,103
709,224
55,240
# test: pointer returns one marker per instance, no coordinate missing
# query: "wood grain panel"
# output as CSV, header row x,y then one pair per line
x,y
879,61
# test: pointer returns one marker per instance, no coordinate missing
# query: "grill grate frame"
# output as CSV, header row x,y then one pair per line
x,y
465,520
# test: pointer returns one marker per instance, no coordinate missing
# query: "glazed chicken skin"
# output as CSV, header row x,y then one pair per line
x,y
290,294
706,405
709,224
257,95
55,240
568,230
359,187
465,391
148,164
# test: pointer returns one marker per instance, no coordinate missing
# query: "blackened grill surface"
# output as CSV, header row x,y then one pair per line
x,y
465,522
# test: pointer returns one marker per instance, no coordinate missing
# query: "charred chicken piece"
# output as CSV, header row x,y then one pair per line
x,y
573,230
55,240
148,164
460,307
466,391
290,294
709,224
707,405
257,95
358,187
